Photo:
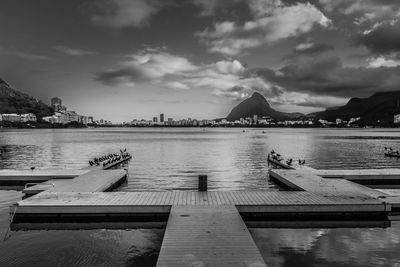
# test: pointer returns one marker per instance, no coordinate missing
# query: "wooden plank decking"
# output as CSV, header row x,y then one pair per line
x,y
294,209
35,176
207,236
361,174
161,202
309,181
93,181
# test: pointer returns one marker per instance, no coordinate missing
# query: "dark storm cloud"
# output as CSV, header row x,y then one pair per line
x,y
326,76
115,77
383,39
121,13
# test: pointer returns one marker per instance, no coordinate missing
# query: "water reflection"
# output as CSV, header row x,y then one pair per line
x,y
329,247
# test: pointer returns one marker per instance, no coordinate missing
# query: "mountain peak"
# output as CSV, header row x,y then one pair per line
x,y
257,95
255,105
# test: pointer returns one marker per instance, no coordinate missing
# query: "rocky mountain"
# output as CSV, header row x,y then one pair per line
x,y
14,101
258,105
380,106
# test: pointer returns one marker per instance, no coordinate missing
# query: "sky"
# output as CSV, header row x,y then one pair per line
x,y
126,59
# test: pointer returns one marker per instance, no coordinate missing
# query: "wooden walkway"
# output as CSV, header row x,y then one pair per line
x,y
207,236
362,174
151,209
35,176
309,181
93,181
268,201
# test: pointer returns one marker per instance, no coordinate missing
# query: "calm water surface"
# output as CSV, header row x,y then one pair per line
x,y
171,159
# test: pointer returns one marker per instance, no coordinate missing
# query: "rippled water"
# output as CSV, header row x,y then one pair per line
x,y
170,159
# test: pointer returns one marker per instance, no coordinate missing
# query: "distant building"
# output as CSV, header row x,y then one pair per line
x,y
162,117
11,117
352,120
255,118
72,116
56,103
155,119
28,117
90,119
62,118
1,117
396,118
338,121
83,119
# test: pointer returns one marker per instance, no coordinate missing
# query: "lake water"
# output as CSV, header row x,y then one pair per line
x,y
171,159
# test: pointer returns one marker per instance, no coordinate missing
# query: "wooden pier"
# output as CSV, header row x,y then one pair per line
x,y
374,178
21,177
207,236
310,181
209,228
313,181
55,210
93,181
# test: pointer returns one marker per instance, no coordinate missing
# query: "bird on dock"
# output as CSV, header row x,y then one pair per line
x,y
125,150
32,168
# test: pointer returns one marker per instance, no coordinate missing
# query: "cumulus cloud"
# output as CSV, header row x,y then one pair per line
x,y
123,13
365,11
73,51
381,61
273,21
304,46
228,78
147,65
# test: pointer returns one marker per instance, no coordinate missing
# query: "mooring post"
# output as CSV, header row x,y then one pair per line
x,y
202,183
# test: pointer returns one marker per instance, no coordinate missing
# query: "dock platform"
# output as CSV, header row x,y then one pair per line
x,y
151,209
207,236
310,181
93,181
21,177
374,178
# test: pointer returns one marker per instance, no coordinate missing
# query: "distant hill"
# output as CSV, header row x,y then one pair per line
x,y
14,101
380,106
258,105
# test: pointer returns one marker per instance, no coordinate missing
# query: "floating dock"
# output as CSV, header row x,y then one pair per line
x,y
93,181
207,236
56,210
310,181
374,178
207,228
21,177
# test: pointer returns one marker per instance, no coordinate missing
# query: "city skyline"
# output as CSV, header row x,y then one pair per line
x,y
121,59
